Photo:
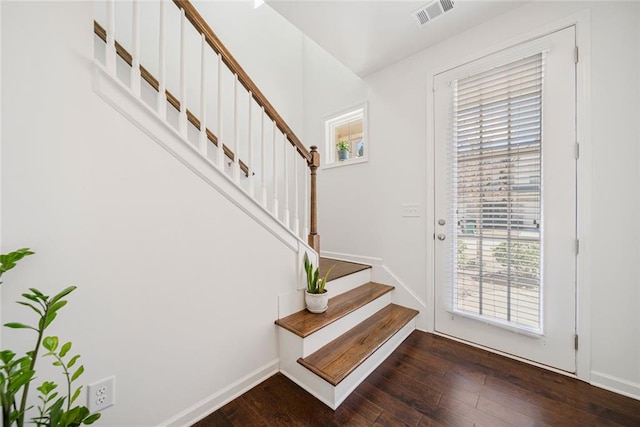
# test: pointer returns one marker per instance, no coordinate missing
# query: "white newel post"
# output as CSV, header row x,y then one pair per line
x,y
202,140
135,54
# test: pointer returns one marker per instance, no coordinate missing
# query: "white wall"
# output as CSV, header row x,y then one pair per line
x,y
177,289
360,206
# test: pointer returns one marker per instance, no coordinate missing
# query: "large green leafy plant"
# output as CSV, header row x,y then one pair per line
x,y
17,373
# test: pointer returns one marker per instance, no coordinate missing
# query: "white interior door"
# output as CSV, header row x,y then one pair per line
x,y
505,201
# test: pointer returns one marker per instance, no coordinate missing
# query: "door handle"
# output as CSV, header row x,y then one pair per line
x,y
441,236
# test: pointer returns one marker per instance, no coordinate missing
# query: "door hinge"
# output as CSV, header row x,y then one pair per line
x,y
575,342
576,56
577,151
577,246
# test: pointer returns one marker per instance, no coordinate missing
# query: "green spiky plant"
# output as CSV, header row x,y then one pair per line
x,y
315,283
16,374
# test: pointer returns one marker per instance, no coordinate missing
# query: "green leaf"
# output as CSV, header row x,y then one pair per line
x,y
73,360
57,362
65,349
76,394
26,304
57,306
14,325
62,294
6,356
8,261
47,387
19,379
46,321
77,373
50,343
38,293
91,419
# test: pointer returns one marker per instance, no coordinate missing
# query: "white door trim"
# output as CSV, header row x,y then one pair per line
x,y
582,22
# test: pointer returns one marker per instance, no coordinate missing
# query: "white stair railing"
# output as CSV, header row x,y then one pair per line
x,y
235,151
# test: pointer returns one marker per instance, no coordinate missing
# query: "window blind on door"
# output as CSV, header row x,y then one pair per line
x,y
496,190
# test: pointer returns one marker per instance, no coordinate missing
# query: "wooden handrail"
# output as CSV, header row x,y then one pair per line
x,y
173,101
212,40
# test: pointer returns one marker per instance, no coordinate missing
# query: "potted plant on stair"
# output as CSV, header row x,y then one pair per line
x,y
316,296
343,150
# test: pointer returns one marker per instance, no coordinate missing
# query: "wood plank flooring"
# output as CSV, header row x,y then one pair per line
x,y
433,381
304,323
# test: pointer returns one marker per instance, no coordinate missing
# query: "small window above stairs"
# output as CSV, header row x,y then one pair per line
x,y
330,354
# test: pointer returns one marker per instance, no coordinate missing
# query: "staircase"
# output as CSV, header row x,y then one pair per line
x,y
330,354
253,157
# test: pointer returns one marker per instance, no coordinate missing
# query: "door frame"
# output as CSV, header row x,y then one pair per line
x,y
582,23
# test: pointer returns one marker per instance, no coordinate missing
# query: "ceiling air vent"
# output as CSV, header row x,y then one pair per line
x,y
432,10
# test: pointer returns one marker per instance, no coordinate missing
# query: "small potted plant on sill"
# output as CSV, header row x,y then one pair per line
x,y
316,296
343,150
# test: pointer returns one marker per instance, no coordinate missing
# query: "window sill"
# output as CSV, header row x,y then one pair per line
x,y
338,164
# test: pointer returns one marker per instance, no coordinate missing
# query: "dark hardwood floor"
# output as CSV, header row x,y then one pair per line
x,y
433,381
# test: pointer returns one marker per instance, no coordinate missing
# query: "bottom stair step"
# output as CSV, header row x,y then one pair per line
x,y
336,360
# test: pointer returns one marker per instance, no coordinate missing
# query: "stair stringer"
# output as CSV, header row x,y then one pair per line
x,y
327,393
120,97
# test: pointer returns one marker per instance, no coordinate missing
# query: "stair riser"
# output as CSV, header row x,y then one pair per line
x,y
346,283
330,332
334,396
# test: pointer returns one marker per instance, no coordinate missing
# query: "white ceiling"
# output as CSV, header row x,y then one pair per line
x,y
367,35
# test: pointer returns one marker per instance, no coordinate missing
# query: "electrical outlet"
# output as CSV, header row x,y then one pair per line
x,y
102,394
410,210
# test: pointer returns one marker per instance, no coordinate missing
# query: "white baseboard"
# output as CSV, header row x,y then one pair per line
x,y
351,258
616,385
205,407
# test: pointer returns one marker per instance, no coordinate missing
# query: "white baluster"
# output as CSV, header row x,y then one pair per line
x,y
263,162
110,60
305,201
275,173
182,120
220,117
286,180
250,137
162,87
236,133
202,141
296,198
135,54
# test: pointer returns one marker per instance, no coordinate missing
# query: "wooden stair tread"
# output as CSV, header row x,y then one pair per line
x,y
340,357
340,268
304,323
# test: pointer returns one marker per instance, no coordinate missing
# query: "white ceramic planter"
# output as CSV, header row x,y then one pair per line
x,y
317,303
